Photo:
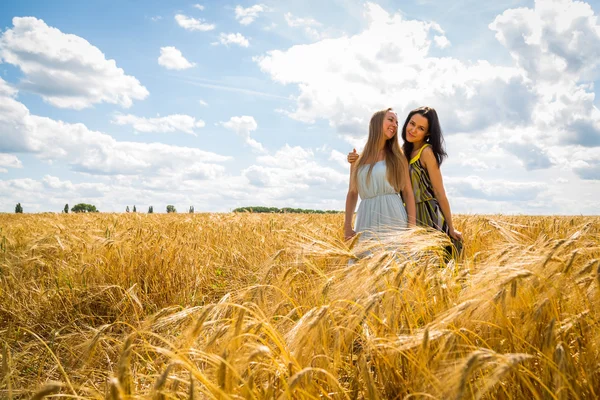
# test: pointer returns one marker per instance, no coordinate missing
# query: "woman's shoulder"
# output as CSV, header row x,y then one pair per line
x,y
427,151
427,155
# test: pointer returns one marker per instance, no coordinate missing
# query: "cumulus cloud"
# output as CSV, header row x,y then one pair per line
x,y
193,24
232,38
287,157
243,126
6,89
169,123
340,158
65,69
472,163
557,45
532,156
351,76
584,162
294,168
246,16
495,189
68,189
171,58
555,40
198,6
441,41
294,21
10,161
86,150
309,25
588,170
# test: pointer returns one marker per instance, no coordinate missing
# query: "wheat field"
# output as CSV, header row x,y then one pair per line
x,y
257,306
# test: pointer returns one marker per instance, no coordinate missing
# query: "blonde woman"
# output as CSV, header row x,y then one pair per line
x,y
379,176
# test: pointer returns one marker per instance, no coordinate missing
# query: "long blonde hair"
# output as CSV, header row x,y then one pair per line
x,y
395,162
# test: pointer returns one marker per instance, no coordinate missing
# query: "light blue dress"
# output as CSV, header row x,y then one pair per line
x,y
381,210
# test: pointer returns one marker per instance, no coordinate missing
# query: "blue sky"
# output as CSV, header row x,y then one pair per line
x,y
221,105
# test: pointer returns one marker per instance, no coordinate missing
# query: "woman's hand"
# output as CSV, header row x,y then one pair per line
x,y
352,157
454,234
349,233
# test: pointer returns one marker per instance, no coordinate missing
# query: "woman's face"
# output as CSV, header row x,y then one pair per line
x,y
417,129
390,125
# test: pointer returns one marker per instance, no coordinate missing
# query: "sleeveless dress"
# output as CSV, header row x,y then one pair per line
x,y
428,208
381,209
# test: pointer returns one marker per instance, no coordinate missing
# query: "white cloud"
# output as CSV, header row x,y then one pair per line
x,y
287,157
472,163
10,161
169,123
232,38
6,89
477,187
350,77
65,69
557,45
69,189
294,168
203,103
171,58
557,39
198,6
86,150
156,18
300,22
308,24
584,162
243,126
531,155
340,158
193,24
246,16
441,41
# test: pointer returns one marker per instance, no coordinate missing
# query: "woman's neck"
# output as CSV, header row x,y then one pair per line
x,y
417,145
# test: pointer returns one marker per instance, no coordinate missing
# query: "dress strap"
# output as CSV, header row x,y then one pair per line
x,y
415,158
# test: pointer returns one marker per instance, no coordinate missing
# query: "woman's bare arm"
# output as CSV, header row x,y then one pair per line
x,y
351,200
409,197
430,163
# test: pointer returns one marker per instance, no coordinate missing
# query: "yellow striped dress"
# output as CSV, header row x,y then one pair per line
x,y
428,208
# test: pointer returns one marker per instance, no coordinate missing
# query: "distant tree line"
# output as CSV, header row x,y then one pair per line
x,y
285,210
90,208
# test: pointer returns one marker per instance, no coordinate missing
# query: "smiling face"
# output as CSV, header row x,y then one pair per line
x,y
390,125
417,129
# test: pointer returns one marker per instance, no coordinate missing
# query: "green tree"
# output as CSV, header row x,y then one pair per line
x,y
66,209
127,209
150,210
134,210
191,209
83,208
18,208
171,209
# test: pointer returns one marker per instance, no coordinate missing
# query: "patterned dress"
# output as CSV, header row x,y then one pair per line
x,y
428,208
